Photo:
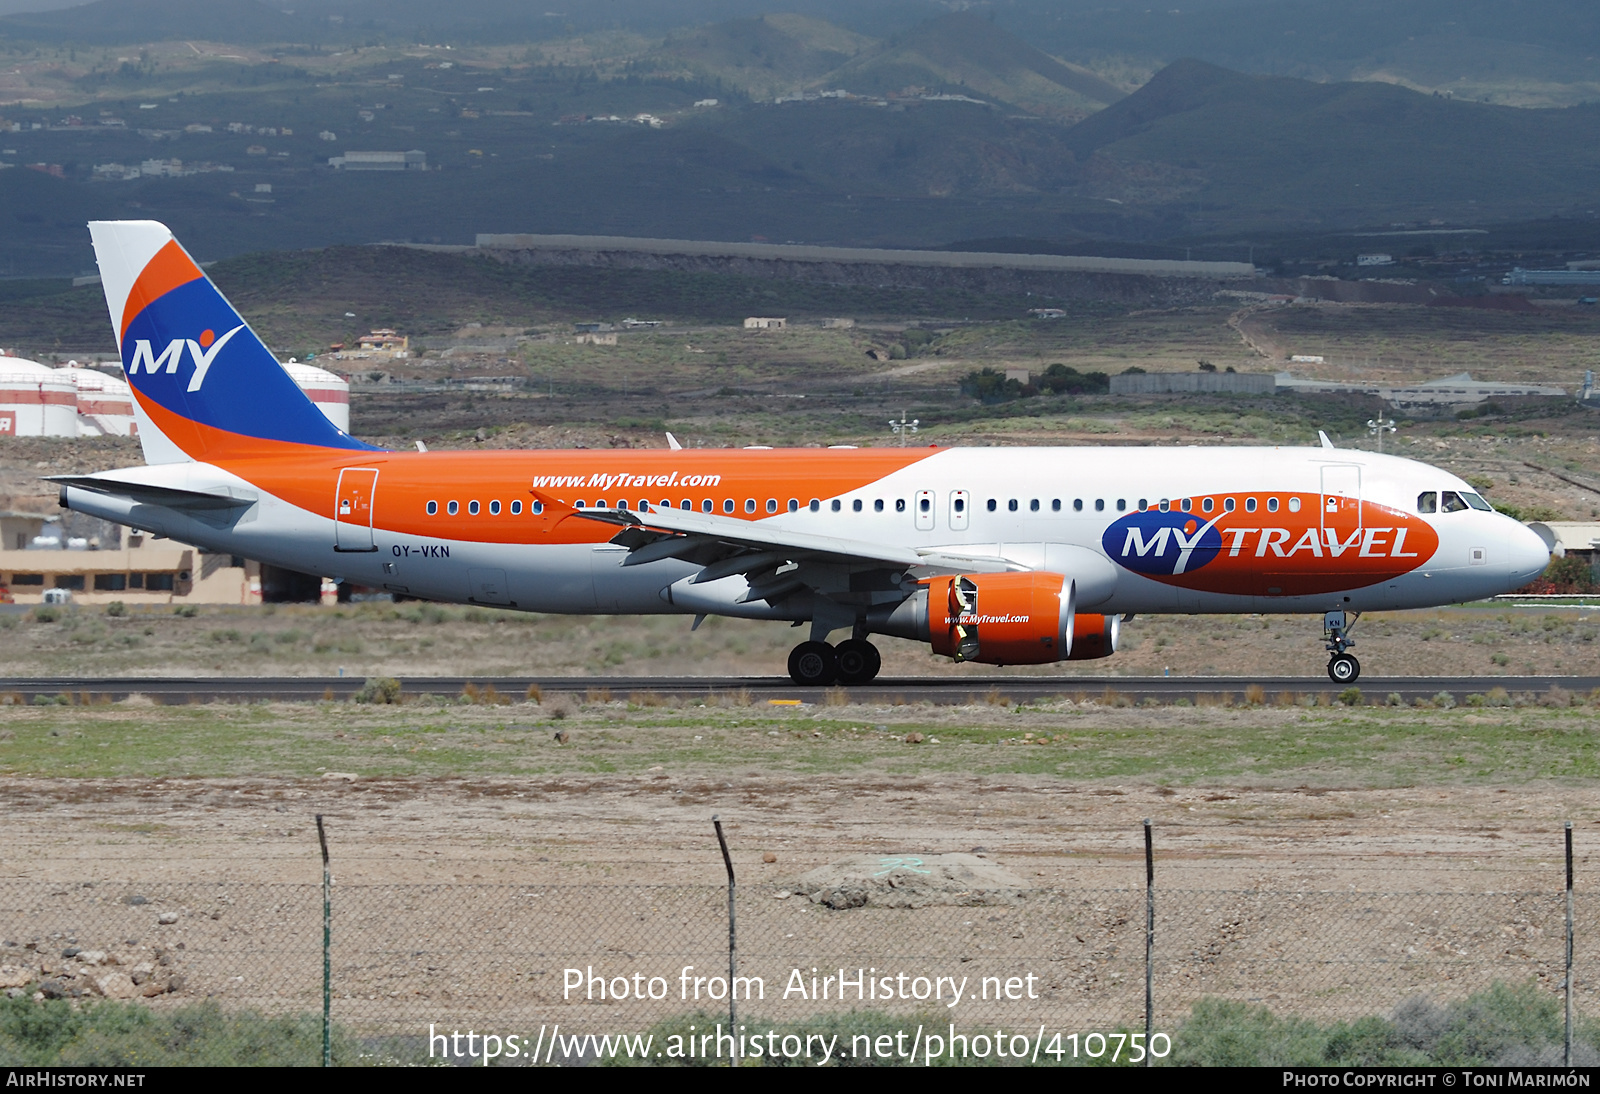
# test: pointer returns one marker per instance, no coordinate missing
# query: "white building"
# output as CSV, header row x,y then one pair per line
x,y
105,403
35,402
330,393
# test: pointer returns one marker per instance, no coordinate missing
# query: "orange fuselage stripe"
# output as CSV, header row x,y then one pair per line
x,y
169,269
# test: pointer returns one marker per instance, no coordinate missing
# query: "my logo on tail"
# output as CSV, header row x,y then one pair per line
x,y
204,352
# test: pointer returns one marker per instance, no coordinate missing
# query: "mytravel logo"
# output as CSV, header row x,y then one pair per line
x,y
1303,547
203,352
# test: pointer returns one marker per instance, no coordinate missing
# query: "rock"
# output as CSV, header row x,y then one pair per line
x,y
769,857
913,738
92,957
142,972
13,976
136,900
152,988
52,989
176,982
910,881
784,895
114,985
347,776
562,737
70,951
15,993
167,918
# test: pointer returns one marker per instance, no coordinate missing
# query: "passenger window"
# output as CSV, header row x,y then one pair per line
x,y
600,503
494,508
1272,505
961,505
1294,505
1428,502
1227,505
992,505
1033,506
727,505
855,506
1186,505
749,505
538,507
1249,505
900,505
705,506
433,507
772,505
877,506
1122,503
1077,505
453,508
816,505
1163,505
794,505
1142,504
622,503
1099,505
1055,505
1450,502
1206,505
837,505
1012,505
578,505
516,508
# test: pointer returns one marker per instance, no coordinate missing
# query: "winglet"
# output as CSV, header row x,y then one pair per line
x,y
1324,437
672,443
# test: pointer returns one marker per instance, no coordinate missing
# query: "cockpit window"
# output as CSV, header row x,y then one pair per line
x,y
1451,502
1477,502
1428,501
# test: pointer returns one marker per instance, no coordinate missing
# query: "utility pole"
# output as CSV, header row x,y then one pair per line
x,y
902,427
1379,426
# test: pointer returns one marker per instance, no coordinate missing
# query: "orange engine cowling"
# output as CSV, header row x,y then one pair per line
x,y
1002,619
1094,636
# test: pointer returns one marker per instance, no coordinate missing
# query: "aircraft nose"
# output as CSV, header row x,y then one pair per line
x,y
1526,555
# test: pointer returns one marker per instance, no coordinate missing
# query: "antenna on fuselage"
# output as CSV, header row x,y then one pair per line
x,y
1324,438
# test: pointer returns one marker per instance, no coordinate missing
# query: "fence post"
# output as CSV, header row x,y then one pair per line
x,y
1566,1056
1149,937
733,938
327,938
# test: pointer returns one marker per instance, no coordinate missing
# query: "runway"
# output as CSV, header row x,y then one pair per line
x,y
946,690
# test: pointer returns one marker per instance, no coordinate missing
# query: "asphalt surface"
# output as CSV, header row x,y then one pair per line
x,y
935,689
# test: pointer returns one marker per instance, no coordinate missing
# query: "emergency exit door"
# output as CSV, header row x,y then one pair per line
x,y
352,509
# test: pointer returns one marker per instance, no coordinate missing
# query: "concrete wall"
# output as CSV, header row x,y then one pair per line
x,y
1167,383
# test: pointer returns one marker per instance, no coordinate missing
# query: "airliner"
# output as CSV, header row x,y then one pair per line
x,y
1002,556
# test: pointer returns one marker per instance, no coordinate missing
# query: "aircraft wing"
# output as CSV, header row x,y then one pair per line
x,y
726,545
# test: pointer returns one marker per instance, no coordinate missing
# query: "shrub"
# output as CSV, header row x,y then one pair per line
x,y
379,690
186,611
116,609
46,614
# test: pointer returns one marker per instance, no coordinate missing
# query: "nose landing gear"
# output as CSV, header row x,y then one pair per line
x,y
1343,668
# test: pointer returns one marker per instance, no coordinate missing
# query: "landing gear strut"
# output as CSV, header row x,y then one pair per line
x,y
1343,668
817,664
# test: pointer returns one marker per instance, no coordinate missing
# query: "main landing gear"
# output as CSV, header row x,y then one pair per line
x,y
817,664
1343,668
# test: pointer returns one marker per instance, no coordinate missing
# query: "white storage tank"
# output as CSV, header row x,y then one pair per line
x,y
329,392
105,403
35,402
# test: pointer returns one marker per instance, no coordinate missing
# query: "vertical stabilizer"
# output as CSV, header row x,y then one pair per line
x,y
204,385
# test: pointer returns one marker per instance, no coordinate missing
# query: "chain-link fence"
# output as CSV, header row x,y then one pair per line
x,y
233,973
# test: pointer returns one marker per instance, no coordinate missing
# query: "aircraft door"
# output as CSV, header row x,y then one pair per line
x,y
1341,505
960,509
924,503
352,508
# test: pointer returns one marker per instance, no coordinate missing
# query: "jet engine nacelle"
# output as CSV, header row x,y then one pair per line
x,y
1002,619
1094,636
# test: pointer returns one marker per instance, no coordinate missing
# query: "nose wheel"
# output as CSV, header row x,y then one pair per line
x,y
1343,668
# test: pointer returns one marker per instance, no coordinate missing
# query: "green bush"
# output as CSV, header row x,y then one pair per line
x,y
1503,1025
116,609
107,1034
381,690
186,611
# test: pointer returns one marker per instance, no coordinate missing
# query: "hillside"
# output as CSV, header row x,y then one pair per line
x,y
114,22
964,52
765,57
1249,150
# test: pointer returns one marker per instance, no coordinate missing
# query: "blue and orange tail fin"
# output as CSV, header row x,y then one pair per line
x,y
205,386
